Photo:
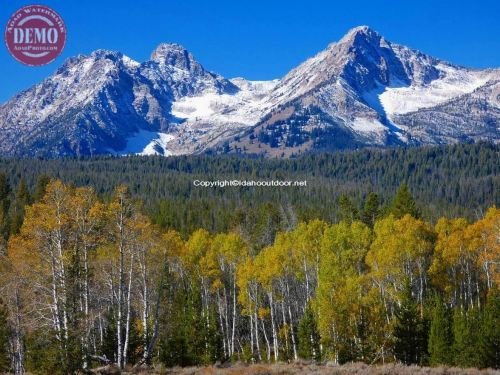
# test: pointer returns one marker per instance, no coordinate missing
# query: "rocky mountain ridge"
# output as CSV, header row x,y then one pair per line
x,y
362,91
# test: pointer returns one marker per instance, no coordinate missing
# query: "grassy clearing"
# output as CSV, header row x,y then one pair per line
x,y
310,368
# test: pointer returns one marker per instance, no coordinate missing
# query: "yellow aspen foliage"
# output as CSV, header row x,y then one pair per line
x,y
195,249
341,282
401,251
466,258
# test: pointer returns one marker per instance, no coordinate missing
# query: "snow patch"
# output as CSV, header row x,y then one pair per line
x,y
146,142
130,63
242,108
364,125
455,82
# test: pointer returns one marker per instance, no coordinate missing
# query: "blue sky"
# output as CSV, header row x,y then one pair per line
x,y
260,39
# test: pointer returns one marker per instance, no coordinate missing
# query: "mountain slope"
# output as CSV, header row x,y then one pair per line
x,y
367,91
104,103
91,104
360,91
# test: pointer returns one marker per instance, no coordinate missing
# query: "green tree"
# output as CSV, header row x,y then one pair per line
x,y
347,210
40,187
491,330
108,348
43,354
468,341
371,210
23,195
4,339
410,332
404,203
4,206
189,338
440,336
308,336
23,198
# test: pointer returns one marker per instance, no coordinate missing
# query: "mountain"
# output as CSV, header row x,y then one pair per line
x,y
89,106
367,91
174,69
104,103
362,91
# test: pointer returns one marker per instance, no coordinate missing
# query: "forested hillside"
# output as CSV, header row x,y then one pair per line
x,y
86,282
460,180
385,256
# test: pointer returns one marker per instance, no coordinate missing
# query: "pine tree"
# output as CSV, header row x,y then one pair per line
x,y
410,332
371,210
404,203
440,337
187,338
44,354
347,210
491,330
4,339
108,348
4,190
23,198
468,340
308,336
4,207
23,195
41,185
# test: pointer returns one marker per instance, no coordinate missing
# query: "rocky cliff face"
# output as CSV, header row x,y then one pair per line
x,y
367,91
360,91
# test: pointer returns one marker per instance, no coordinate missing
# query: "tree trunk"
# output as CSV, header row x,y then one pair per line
x,y
257,343
234,314
268,345
127,325
119,351
273,327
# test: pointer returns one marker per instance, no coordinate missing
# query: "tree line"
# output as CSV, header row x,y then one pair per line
x,y
455,180
86,280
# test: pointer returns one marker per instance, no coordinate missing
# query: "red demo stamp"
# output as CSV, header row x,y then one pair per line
x,y
35,35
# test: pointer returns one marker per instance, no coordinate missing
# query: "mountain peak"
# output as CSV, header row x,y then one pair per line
x,y
172,54
360,91
169,48
105,53
363,34
363,29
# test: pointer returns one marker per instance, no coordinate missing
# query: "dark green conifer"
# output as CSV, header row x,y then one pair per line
x,y
468,342
308,336
347,210
440,336
371,210
4,339
410,332
404,203
491,330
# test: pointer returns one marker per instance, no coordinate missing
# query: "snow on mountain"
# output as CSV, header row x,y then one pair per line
x,y
240,108
92,103
74,84
175,69
145,142
367,125
103,103
360,87
471,116
452,82
360,91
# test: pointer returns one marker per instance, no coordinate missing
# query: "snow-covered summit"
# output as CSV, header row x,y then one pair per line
x,y
362,90
176,69
363,84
